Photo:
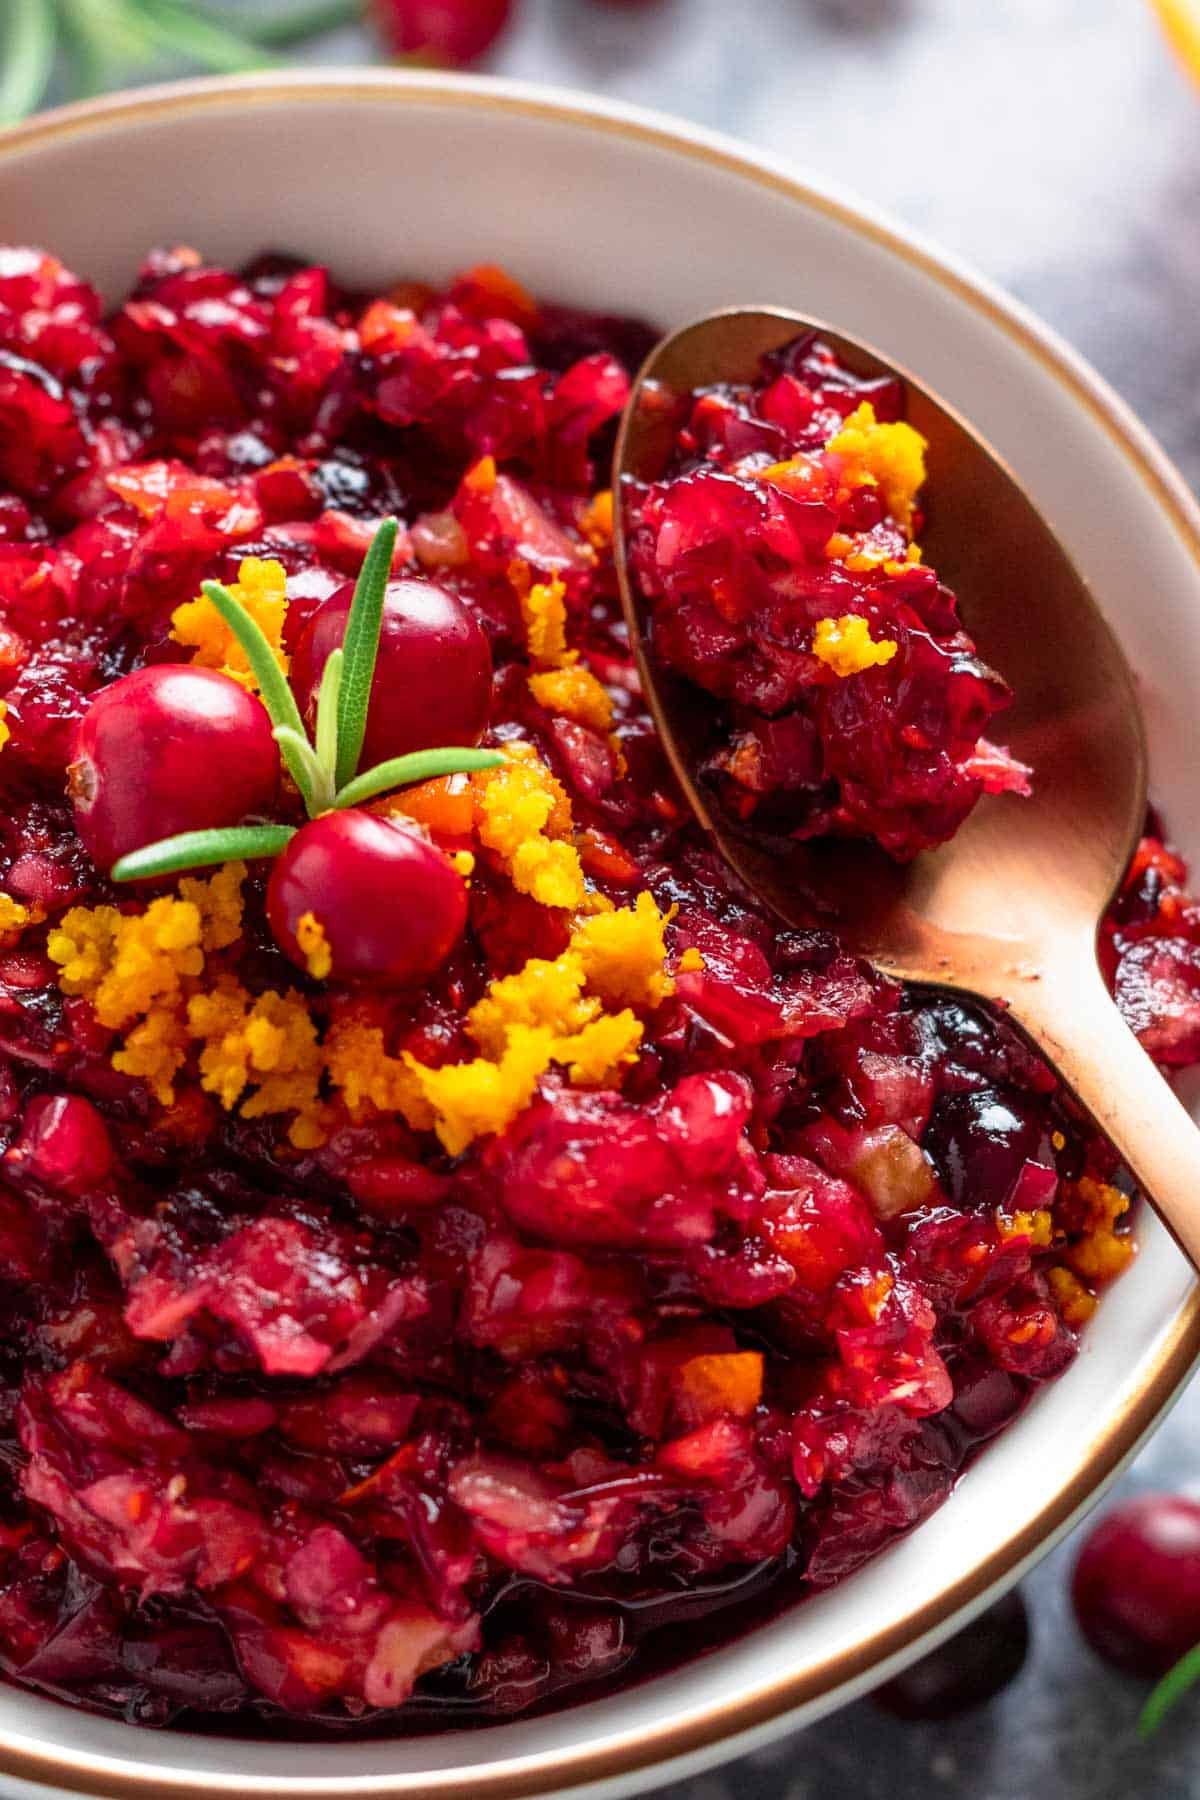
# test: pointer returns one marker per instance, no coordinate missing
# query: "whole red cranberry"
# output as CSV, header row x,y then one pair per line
x,y
445,31
980,1140
965,1671
1136,1587
63,1143
433,673
170,748
390,905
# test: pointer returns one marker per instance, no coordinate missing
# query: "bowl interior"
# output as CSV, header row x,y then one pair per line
x,y
403,176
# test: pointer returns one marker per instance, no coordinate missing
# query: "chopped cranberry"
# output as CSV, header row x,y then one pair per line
x,y
433,676
165,750
746,1252
1136,1587
387,903
758,539
64,1143
1158,990
592,1169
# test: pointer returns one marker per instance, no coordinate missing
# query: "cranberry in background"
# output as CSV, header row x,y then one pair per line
x,y
1136,1587
457,32
443,31
967,1670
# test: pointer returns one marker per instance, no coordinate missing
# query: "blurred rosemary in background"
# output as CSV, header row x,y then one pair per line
x,y
100,44
81,47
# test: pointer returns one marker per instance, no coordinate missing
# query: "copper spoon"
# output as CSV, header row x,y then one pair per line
x,y
1007,912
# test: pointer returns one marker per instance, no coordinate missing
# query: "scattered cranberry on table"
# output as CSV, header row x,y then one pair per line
x,y
969,1669
1136,1586
389,904
449,31
433,675
170,748
454,31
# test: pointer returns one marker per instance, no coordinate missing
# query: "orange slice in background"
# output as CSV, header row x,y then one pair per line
x,y
1181,19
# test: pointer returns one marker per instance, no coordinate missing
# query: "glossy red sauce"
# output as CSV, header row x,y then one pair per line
x,y
361,1432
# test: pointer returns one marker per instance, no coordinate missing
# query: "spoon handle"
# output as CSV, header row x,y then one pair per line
x,y
1072,1018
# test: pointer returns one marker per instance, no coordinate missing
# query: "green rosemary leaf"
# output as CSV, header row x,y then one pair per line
x,y
1173,1686
201,850
87,53
26,58
419,765
283,30
361,647
274,693
327,712
120,33
273,689
185,31
309,774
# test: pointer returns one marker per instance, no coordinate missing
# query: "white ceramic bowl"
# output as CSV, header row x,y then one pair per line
x,y
383,175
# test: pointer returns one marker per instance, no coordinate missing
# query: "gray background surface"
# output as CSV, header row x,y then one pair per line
x,y
1055,145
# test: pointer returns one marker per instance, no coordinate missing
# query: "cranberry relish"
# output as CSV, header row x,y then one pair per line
x,y
420,1354
778,557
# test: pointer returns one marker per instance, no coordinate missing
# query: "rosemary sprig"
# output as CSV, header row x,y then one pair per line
x,y
27,44
361,647
325,771
202,850
282,31
87,49
187,31
105,41
273,689
1173,1686
314,782
327,710
418,765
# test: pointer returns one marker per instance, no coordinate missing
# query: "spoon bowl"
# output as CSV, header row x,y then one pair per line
x,y
1007,911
